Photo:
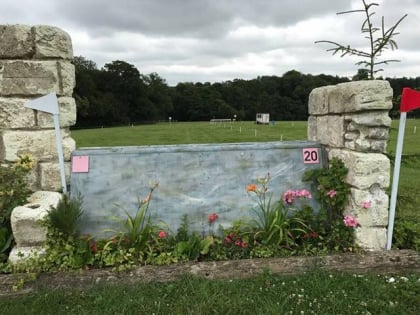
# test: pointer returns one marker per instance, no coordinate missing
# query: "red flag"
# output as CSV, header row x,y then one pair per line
x,y
410,99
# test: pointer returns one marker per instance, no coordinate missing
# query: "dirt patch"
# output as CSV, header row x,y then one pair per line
x,y
394,261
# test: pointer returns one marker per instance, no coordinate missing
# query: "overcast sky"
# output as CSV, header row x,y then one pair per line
x,y
220,40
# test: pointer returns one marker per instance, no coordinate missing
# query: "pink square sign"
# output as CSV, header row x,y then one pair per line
x,y
310,155
80,164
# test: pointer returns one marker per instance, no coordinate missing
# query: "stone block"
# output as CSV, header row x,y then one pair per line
x,y
330,130
67,78
365,169
13,114
15,42
27,229
376,215
26,220
39,143
28,78
67,117
365,138
322,129
50,178
360,96
52,42
312,128
32,178
335,134
351,135
370,119
318,100
371,238
19,255
378,133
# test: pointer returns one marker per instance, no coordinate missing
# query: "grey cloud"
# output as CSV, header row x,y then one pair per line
x,y
191,40
196,18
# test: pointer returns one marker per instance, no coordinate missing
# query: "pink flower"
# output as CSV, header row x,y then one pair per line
x,y
366,204
162,234
213,217
350,221
304,193
331,193
289,196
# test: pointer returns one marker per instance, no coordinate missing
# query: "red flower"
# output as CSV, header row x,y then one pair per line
x,y
213,217
162,234
92,246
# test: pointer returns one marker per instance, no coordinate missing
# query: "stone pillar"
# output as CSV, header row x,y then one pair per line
x,y
35,61
351,120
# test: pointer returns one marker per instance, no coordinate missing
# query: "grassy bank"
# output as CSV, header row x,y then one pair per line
x,y
312,293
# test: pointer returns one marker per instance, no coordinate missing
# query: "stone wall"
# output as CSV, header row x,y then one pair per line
x,y
351,120
35,61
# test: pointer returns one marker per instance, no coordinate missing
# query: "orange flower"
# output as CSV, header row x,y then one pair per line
x,y
251,187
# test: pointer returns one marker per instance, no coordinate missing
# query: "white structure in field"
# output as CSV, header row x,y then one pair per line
x,y
262,118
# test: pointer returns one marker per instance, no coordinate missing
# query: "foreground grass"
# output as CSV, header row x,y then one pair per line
x,y
312,293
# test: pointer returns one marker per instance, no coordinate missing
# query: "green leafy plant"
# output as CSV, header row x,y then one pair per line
x,y
332,189
406,235
14,191
6,239
385,40
273,224
335,232
65,216
191,245
136,230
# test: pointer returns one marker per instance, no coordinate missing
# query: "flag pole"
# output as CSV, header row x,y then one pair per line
x,y
49,104
60,152
395,179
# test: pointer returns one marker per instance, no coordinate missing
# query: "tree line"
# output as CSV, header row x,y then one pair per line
x,y
119,94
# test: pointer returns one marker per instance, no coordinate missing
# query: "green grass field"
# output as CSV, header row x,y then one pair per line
x,y
190,132
205,132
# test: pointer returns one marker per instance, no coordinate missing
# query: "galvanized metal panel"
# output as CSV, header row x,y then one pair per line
x,y
195,179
